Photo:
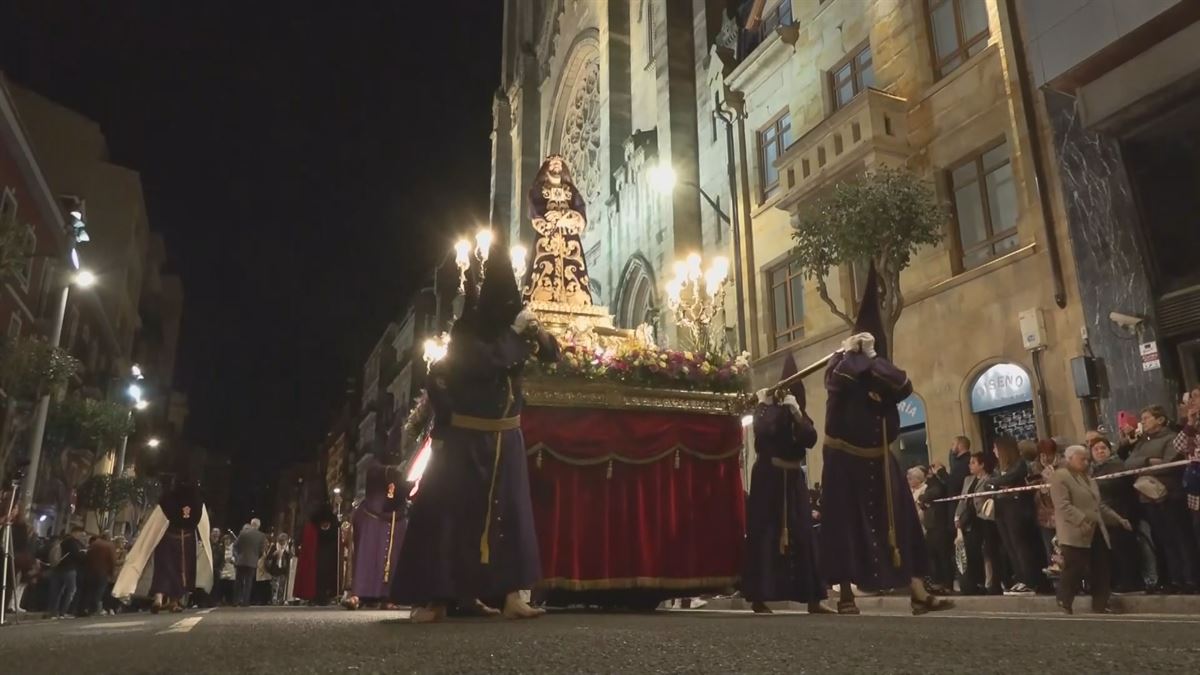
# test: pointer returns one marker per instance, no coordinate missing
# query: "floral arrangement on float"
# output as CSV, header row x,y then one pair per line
x,y
647,366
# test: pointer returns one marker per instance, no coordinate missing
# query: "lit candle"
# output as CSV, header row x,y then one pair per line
x,y
462,254
483,243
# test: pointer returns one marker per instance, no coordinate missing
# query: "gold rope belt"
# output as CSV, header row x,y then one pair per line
x,y
786,465
851,449
485,423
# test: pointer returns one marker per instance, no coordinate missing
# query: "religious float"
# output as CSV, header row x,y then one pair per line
x,y
634,448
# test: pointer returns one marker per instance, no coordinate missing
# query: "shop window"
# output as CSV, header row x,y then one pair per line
x,y
852,75
773,140
985,206
786,282
958,31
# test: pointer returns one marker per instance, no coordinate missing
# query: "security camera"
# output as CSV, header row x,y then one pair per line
x,y
1129,323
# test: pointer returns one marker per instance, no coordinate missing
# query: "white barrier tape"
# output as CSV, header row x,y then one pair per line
x,y
1045,486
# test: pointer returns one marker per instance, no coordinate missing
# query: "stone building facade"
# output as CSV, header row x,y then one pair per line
x,y
1001,332
1119,90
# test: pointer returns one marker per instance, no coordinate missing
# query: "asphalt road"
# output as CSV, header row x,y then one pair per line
x,y
286,640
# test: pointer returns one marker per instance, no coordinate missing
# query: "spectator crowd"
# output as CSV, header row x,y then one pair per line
x,y
1136,534
72,575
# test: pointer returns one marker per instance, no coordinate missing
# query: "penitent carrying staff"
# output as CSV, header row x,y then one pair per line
x,y
870,531
471,531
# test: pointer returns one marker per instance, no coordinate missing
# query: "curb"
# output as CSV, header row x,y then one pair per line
x,y
1185,605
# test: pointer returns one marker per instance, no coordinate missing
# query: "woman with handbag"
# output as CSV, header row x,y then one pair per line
x,y
1163,499
973,518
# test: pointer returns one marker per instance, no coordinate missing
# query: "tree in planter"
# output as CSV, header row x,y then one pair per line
x,y
78,431
29,368
883,217
108,495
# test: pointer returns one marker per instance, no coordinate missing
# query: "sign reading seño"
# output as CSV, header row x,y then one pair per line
x,y
1000,386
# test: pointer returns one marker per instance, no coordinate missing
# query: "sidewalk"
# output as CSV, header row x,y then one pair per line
x,y
1137,603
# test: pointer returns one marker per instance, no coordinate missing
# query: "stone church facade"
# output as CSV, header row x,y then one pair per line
x,y
614,88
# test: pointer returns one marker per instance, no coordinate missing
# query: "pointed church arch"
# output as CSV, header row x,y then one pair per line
x,y
637,295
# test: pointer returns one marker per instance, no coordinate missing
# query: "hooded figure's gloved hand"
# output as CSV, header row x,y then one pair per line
x,y
524,320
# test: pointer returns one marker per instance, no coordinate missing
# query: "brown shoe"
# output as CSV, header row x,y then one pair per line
x,y
847,607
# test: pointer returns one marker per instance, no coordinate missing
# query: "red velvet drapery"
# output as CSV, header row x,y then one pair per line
x,y
631,499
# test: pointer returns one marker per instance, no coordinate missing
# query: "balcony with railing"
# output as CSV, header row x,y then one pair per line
x,y
871,129
780,15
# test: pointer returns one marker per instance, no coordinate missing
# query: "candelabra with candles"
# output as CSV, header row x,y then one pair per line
x,y
696,298
436,349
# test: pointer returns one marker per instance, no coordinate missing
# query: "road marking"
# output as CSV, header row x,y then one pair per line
x,y
206,611
113,624
994,616
183,625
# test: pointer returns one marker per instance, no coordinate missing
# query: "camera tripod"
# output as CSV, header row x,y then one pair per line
x,y
8,554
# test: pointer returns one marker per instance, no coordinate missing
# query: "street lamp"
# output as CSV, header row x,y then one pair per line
x,y
136,402
153,443
84,279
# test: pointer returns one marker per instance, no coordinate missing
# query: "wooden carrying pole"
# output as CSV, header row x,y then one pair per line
x,y
804,372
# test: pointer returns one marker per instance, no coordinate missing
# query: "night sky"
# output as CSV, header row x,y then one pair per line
x,y
304,165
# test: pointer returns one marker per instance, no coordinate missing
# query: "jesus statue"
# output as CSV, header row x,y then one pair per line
x,y
559,271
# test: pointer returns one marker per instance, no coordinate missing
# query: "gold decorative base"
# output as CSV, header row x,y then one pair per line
x,y
573,393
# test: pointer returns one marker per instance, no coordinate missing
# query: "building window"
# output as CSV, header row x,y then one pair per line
x,y
959,30
757,32
28,248
985,206
14,326
773,140
786,282
852,75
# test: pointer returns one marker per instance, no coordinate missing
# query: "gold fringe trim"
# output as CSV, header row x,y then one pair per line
x,y
619,583
539,448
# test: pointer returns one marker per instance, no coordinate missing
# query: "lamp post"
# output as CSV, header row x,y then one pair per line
x,y
136,403
696,297
664,179
83,279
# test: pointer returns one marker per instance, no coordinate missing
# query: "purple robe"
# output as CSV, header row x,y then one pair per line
x,y
861,417
459,546
781,556
378,532
175,554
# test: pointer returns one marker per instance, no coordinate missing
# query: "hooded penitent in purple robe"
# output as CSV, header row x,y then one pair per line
x,y
471,531
781,557
870,532
378,532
